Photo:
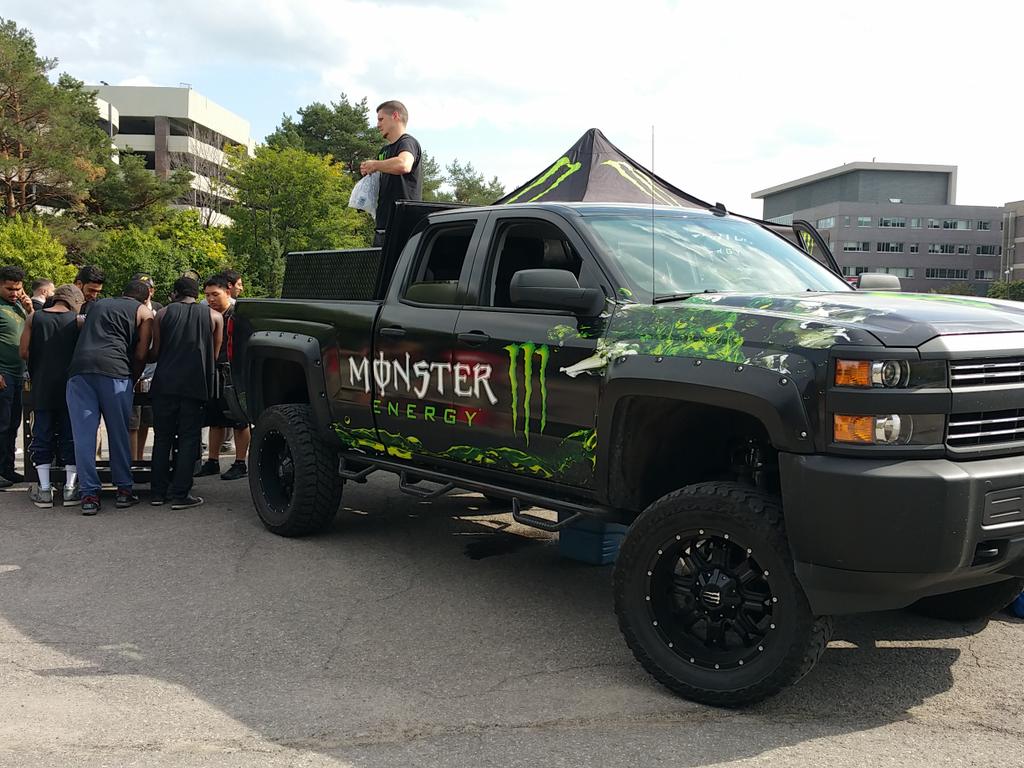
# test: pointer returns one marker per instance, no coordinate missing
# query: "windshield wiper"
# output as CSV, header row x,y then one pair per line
x,y
681,296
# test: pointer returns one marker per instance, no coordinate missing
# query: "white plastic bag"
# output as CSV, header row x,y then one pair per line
x,y
364,194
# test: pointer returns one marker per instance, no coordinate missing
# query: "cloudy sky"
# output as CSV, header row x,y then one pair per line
x,y
741,96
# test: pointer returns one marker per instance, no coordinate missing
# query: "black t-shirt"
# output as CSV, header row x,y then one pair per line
x,y
49,356
393,187
106,343
185,363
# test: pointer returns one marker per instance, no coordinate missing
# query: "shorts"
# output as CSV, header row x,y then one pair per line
x,y
216,416
141,417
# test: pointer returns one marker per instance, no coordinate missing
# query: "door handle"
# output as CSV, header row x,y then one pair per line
x,y
395,331
474,338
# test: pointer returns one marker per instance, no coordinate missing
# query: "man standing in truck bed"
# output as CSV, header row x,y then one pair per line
x,y
398,163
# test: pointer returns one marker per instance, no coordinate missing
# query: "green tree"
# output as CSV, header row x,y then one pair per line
x,y
1013,290
129,194
957,289
469,186
51,148
340,129
25,241
432,179
288,200
165,251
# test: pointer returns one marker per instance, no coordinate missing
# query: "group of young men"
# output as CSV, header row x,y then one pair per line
x,y
85,356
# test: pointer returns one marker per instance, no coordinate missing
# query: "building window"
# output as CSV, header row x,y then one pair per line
x,y
846,221
946,248
826,223
915,248
956,224
915,223
934,224
892,221
984,274
963,249
984,226
857,247
946,273
890,247
897,271
863,221
985,250
854,271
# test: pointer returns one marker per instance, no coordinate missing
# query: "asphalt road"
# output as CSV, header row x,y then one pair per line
x,y
417,634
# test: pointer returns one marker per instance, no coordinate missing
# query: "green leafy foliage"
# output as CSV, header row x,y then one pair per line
x,y
164,251
129,194
51,148
1014,290
957,289
288,200
340,129
469,186
25,241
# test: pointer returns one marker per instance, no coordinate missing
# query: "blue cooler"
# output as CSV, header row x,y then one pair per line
x,y
1018,606
589,540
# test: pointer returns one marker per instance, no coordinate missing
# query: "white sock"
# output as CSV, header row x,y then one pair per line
x,y
43,470
71,471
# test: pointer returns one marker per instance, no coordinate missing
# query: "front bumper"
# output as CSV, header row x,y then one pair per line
x,y
870,534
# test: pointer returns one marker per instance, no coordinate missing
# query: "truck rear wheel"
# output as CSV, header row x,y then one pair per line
x,y
707,598
970,604
293,475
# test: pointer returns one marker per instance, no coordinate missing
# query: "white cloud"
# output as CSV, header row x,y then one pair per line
x,y
742,96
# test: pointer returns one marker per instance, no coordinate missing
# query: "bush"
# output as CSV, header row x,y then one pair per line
x,y
1013,290
26,242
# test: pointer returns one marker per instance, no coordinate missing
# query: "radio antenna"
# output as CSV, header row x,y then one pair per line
x,y
653,270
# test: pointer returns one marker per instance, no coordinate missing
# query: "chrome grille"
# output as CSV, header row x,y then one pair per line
x,y
973,373
968,430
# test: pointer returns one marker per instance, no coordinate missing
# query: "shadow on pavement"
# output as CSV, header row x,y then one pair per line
x,y
383,631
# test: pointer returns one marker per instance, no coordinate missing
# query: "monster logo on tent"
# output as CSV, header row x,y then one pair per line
x,y
563,162
529,350
642,182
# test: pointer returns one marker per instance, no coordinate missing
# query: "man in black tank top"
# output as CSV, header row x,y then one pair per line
x,y
109,357
47,344
186,341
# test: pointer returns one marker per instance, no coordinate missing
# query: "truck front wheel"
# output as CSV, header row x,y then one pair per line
x,y
707,598
970,604
293,475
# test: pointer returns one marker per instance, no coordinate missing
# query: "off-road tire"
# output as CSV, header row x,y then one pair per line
x,y
970,604
312,500
737,517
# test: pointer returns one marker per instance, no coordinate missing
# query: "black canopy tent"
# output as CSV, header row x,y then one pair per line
x,y
595,170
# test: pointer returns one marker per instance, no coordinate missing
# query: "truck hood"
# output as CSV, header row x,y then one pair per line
x,y
895,319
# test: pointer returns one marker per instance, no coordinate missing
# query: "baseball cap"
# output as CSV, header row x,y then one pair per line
x,y
144,277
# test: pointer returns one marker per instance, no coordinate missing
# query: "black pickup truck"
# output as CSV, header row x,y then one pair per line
x,y
783,446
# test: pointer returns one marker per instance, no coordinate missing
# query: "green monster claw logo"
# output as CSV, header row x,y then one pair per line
x,y
563,162
529,349
808,242
643,182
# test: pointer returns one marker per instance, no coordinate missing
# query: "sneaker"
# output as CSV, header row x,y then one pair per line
x,y
90,505
72,495
157,500
209,467
125,498
5,483
236,471
187,502
15,477
42,499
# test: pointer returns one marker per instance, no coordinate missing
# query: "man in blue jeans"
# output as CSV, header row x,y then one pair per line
x,y
15,306
108,360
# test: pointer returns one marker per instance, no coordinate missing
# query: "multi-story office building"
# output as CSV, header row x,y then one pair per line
x,y
897,218
180,128
1013,241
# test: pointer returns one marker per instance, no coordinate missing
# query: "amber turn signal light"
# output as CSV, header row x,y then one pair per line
x,y
853,429
853,373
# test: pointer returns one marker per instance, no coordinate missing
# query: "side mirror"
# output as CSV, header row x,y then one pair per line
x,y
554,289
877,281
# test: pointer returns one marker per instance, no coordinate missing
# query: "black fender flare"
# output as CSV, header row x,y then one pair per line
x,y
774,399
294,348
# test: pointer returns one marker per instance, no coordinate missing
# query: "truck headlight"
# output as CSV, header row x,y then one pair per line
x,y
890,374
889,429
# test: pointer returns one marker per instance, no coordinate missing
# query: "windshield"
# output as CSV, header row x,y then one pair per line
x,y
698,253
